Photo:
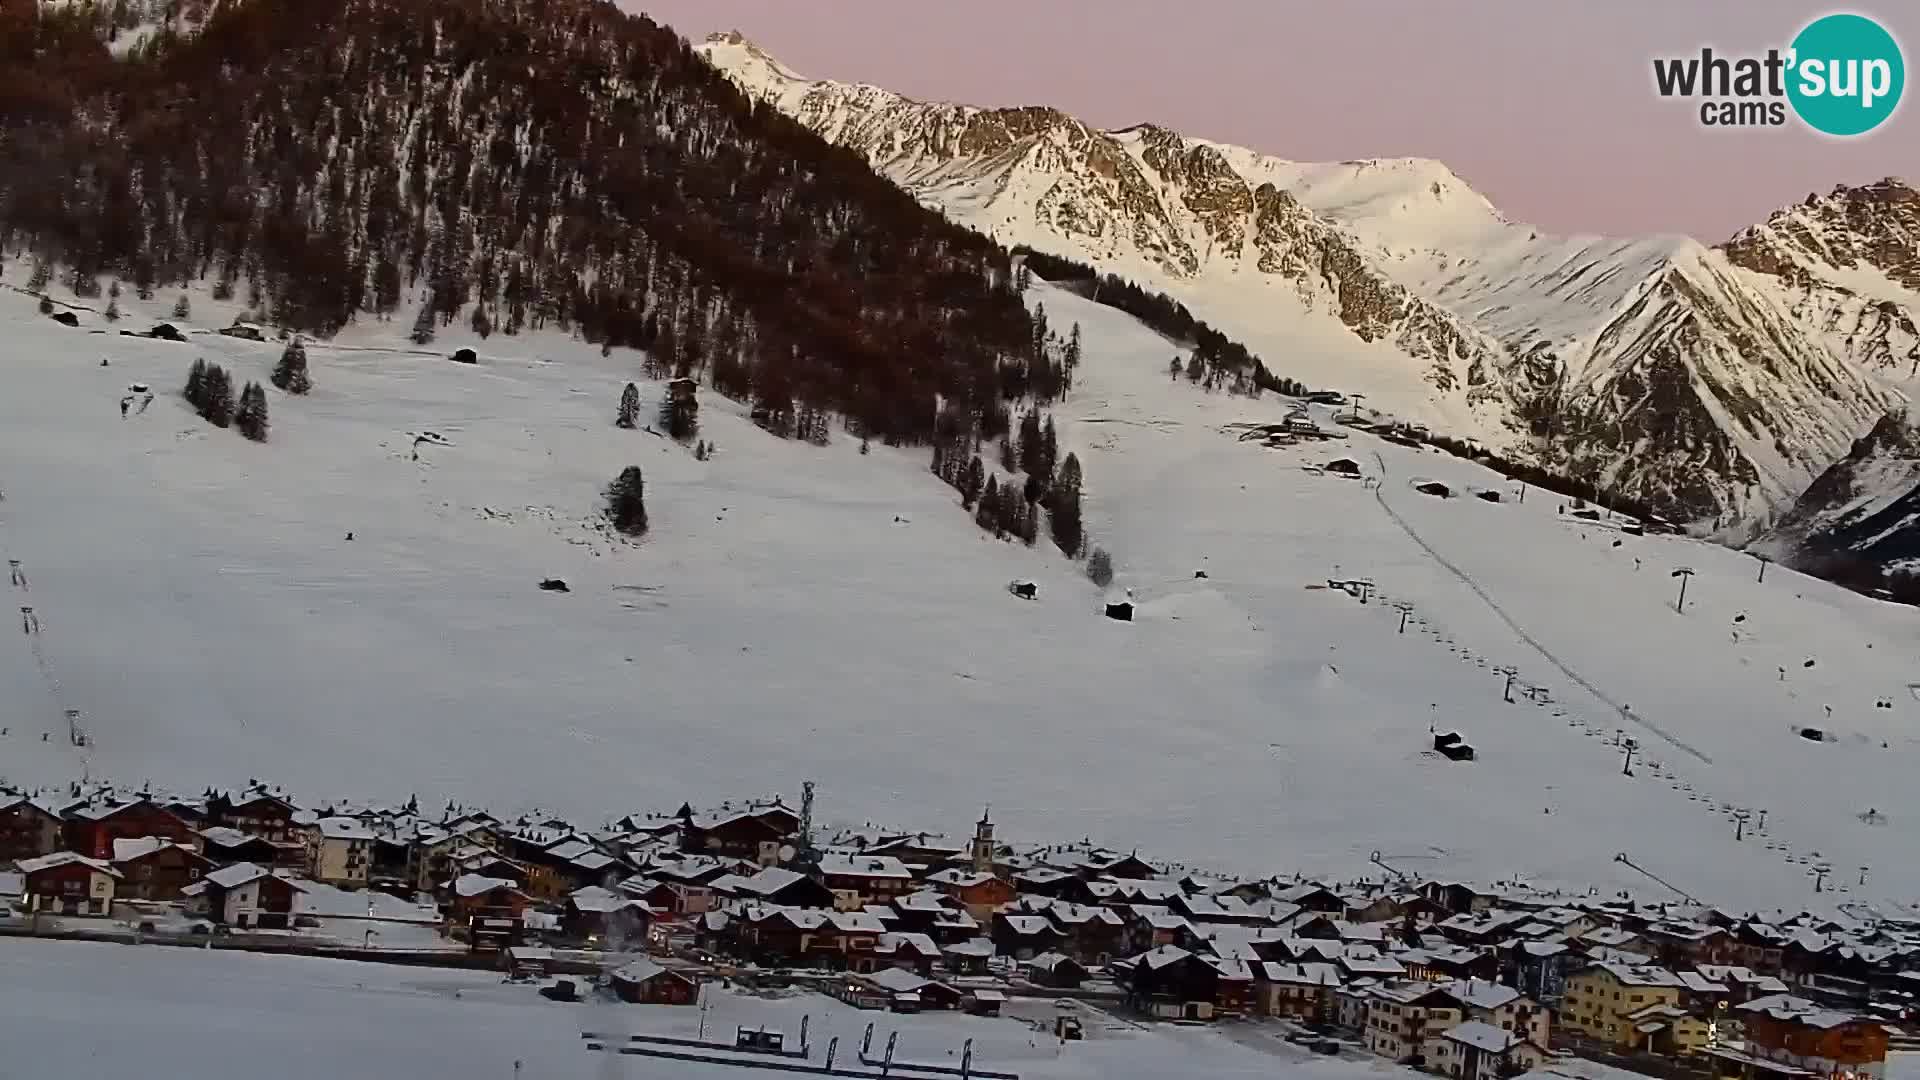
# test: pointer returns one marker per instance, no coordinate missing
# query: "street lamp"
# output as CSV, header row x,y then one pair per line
x,y
1683,573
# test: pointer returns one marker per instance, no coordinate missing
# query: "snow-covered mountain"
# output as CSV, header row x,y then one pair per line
x,y
1866,506
1707,381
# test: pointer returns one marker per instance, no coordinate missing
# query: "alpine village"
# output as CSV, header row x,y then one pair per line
x,y
1462,981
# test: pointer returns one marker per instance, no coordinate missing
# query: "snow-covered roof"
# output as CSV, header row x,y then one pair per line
x,y
1482,1036
898,980
593,860
63,858
1029,925
767,882
1798,1010
225,836
960,879
1640,974
866,866
920,943
972,947
639,971
232,877
1164,956
1483,993
1301,974
596,899
343,828
467,885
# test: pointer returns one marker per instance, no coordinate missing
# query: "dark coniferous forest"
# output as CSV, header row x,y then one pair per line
x,y
523,164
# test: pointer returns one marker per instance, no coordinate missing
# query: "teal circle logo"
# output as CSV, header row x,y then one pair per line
x,y
1847,75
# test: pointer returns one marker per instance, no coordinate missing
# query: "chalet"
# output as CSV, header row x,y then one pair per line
x,y
1301,991
225,846
834,940
859,880
339,851
1434,488
436,851
1686,944
244,895
27,829
1739,985
780,887
907,951
904,991
1172,983
1053,881
1309,896
154,868
1055,970
1092,935
67,883
595,914
1151,928
669,897
644,982
1024,936
1478,1050
981,894
754,835
92,827
256,812
1343,467
1453,746
1832,1043
967,957
489,912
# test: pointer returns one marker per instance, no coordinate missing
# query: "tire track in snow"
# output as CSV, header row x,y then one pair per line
x,y
1514,625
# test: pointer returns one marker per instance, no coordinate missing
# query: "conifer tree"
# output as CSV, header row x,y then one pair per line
x,y
680,411
291,373
423,325
971,481
1031,443
986,514
112,313
251,414
217,403
627,502
46,305
481,324
1007,458
1049,449
196,390
182,308
1071,357
629,415
1063,507
1100,567
42,277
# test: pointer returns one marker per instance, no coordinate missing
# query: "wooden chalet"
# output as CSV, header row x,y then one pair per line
x,y
257,813
68,883
92,827
154,868
981,894
645,982
754,835
27,829
244,895
489,912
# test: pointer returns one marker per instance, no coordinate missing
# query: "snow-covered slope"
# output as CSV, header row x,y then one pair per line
x,y
1655,366
801,612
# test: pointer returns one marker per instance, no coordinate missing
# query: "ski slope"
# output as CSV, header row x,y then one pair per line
x,y
801,612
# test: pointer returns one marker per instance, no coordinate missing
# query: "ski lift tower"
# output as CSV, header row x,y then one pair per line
x,y
806,858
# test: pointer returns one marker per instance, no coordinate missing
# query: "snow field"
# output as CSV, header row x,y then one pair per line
x,y
812,613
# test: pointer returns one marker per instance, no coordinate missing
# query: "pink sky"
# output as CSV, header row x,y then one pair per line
x,y
1547,108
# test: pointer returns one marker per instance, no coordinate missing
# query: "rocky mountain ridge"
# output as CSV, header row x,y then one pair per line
x,y
1714,383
